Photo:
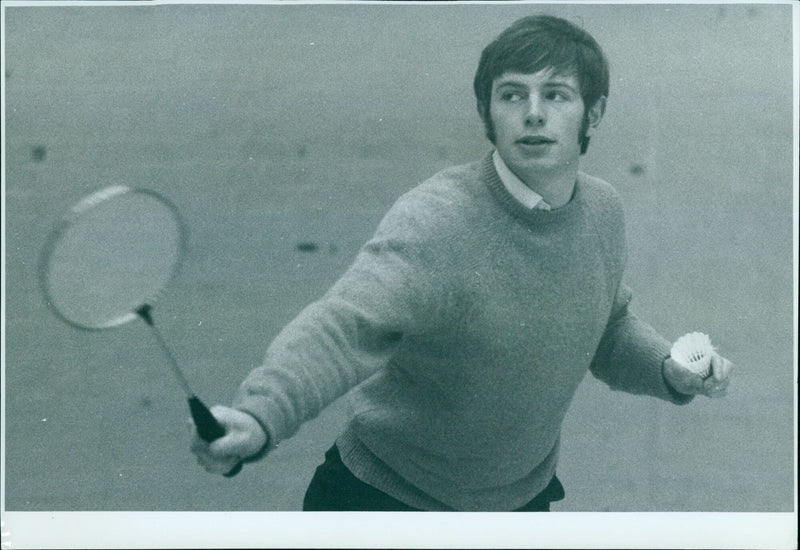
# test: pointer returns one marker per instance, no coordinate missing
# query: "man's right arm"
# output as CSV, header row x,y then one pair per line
x,y
394,287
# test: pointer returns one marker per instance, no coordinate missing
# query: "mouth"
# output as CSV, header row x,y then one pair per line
x,y
535,140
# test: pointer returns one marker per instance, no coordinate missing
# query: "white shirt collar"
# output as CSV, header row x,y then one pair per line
x,y
524,194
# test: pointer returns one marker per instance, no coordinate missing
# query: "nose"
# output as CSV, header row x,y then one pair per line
x,y
535,115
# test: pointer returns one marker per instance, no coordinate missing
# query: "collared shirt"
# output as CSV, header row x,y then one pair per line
x,y
524,194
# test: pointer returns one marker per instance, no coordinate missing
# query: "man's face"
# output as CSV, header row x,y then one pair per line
x,y
538,121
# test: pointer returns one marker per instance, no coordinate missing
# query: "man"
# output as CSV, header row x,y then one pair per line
x,y
467,322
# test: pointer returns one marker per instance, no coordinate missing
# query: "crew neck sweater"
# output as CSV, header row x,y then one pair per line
x,y
518,189
462,330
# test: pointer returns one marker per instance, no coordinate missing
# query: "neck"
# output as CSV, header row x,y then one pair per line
x,y
556,188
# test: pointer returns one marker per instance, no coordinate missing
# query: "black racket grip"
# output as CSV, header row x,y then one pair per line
x,y
208,428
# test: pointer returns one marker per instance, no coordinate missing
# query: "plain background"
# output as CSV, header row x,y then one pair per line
x,y
271,126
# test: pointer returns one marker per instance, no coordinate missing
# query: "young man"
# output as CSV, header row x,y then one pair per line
x,y
467,322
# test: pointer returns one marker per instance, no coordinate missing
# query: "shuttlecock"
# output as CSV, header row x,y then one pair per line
x,y
694,352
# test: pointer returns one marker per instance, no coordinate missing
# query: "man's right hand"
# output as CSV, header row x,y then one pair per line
x,y
244,437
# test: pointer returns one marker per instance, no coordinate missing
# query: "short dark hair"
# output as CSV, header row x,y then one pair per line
x,y
538,42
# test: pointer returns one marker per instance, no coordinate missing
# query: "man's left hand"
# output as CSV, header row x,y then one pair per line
x,y
687,382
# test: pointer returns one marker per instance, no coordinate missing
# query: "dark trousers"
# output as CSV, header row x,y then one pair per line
x,y
335,488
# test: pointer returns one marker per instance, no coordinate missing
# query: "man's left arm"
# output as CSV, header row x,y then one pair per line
x,y
634,358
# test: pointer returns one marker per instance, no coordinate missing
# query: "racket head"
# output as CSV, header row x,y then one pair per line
x,y
112,253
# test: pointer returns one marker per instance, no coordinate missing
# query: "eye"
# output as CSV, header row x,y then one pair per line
x,y
557,95
511,96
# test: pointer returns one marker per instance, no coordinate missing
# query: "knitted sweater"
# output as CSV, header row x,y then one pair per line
x,y
465,326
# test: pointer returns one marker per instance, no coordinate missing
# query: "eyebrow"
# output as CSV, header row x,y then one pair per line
x,y
510,84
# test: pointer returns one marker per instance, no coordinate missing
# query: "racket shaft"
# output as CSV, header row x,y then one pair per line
x,y
208,427
144,313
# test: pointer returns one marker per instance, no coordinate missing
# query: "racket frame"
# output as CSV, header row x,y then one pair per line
x,y
75,213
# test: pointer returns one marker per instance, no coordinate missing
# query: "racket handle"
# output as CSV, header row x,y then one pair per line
x,y
208,427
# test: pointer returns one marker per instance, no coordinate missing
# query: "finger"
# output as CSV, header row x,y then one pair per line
x,y
693,381
717,367
222,414
222,447
713,382
725,369
201,442
681,378
231,444
210,451
216,466
719,390
211,461
715,388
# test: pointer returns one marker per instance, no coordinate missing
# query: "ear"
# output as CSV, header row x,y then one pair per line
x,y
595,113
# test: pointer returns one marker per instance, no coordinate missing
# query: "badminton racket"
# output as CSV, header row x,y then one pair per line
x,y
106,263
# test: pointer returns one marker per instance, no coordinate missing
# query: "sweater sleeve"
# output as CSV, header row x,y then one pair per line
x,y
393,288
631,354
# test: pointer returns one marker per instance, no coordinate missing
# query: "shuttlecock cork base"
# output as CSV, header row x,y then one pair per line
x,y
694,351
